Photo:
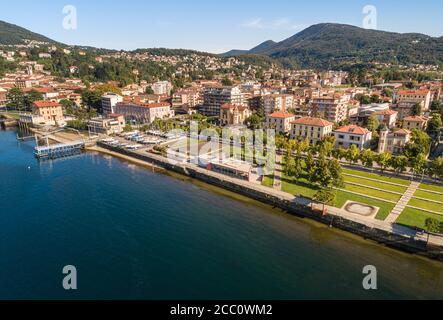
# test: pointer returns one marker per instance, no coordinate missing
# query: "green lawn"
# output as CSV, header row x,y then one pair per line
x,y
415,218
305,189
426,205
375,184
431,187
373,193
428,195
268,181
377,177
302,187
383,213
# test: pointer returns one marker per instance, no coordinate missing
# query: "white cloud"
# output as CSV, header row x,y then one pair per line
x,y
254,24
278,24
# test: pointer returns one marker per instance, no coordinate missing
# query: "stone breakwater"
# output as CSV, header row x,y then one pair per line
x,y
288,203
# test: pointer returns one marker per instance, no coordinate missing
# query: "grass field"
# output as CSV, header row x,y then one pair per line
x,y
375,184
385,207
428,195
415,218
431,188
373,193
426,205
268,181
378,177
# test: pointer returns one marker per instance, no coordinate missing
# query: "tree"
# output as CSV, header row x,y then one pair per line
x,y
419,164
368,158
417,109
353,154
399,164
373,123
383,160
434,124
16,99
254,122
227,82
325,197
420,143
310,163
436,106
436,170
92,100
433,226
149,90
31,97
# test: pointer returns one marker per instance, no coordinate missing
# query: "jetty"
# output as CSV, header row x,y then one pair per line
x,y
60,150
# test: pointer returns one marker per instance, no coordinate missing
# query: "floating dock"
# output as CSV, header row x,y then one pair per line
x,y
59,150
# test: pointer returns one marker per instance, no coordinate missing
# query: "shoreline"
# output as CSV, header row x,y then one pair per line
x,y
285,202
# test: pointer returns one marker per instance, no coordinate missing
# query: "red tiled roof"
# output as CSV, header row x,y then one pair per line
x,y
387,112
281,115
415,119
413,92
353,129
46,104
309,121
115,115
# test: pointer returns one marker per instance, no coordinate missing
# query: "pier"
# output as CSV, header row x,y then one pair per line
x,y
59,150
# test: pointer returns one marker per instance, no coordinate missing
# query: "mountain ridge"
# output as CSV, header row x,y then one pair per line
x,y
336,44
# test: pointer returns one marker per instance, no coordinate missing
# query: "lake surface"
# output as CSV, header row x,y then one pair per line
x,y
135,234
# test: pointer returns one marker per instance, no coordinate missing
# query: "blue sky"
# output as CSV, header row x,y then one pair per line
x,y
213,26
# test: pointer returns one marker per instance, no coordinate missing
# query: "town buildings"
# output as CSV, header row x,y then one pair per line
x,y
333,108
113,124
277,102
162,87
393,141
407,99
109,101
350,135
415,122
216,96
387,117
143,113
280,121
234,115
46,113
313,129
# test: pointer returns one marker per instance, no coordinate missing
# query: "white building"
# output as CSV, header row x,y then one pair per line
x,y
313,129
109,101
280,121
144,113
162,88
353,135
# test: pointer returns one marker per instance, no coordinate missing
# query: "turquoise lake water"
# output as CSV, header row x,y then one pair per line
x,y
135,234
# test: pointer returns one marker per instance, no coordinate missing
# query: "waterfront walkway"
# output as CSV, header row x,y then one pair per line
x,y
278,172
367,221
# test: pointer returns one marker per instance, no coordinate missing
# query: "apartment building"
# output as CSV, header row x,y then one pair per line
x,y
387,117
144,113
313,129
407,99
113,124
352,135
215,97
186,100
277,102
280,121
333,108
50,113
393,141
162,88
109,101
415,122
234,115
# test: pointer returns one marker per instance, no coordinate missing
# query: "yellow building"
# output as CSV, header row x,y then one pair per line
x,y
234,115
50,112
